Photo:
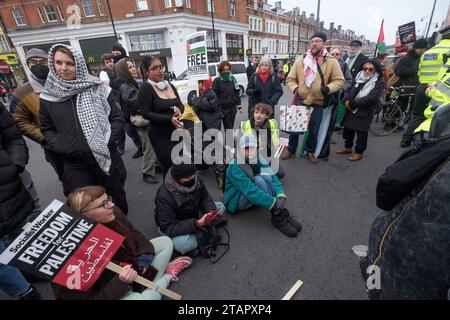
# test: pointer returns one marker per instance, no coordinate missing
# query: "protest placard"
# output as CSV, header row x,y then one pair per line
x,y
197,56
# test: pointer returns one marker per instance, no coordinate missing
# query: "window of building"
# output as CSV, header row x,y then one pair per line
x,y
234,40
141,5
60,12
20,20
255,24
210,39
3,44
88,8
188,3
41,16
50,12
178,3
168,3
211,5
232,9
144,42
271,26
101,12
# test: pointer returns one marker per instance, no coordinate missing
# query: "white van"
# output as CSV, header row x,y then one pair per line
x,y
188,89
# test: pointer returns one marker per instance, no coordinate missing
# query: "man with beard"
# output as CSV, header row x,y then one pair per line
x,y
316,78
24,108
250,182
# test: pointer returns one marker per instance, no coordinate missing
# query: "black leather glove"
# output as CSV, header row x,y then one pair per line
x,y
325,90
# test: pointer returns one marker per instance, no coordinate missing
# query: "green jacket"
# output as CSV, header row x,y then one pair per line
x,y
238,183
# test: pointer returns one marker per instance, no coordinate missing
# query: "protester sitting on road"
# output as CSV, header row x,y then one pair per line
x,y
183,205
268,141
82,124
361,102
16,203
127,74
264,86
251,182
207,108
149,259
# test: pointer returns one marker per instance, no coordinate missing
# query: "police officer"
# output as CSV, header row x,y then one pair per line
x,y
429,69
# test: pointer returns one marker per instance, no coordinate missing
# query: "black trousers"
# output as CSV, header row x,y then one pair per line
x,y
421,101
86,172
229,116
162,145
130,131
361,140
56,161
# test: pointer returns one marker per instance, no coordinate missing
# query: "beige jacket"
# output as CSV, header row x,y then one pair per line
x,y
334,79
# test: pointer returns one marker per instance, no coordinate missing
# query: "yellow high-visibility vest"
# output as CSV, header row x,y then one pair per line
x,y
432,61
246,128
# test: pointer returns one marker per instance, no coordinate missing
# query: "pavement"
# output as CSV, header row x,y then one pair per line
x,y
334,200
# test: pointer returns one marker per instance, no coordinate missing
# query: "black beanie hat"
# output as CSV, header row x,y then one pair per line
x,y
320,35
421,44
180,171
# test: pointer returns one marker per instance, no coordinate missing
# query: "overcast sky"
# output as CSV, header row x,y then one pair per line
x,y
365,16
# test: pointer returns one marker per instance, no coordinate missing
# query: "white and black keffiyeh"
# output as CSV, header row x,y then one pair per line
x,y
92,107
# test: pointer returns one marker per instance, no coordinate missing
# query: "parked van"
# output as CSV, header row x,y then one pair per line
x,y
188,89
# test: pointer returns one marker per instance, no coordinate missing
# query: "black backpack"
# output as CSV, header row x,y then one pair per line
x,y
209,239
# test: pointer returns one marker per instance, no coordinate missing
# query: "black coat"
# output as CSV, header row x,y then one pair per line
x,y
208,110
62,130
176,212
269,92
15,201
251,69
361,60
362,119
407,69
129,99
226,92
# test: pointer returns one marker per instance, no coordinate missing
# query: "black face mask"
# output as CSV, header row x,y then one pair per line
x,y
189,183
41,72
118,58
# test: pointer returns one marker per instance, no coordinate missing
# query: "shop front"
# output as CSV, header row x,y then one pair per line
x,y
93,49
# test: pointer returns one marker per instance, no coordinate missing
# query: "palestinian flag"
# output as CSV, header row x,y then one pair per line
x,y
381,45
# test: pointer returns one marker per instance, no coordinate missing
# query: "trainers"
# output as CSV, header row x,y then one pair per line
x,y
288,155
177,265
31,294
281,222
292,220
149,178
138,154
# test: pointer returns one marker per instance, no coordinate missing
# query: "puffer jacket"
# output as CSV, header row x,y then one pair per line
x,y
177,209
208,110
313,96
226,92
15,201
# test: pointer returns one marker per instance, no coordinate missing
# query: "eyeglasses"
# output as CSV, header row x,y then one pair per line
x,y
105,204
369,69
158,68
42,62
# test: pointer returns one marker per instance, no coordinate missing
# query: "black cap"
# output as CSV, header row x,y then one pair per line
x,y
421,44
320,35
356,42
180,171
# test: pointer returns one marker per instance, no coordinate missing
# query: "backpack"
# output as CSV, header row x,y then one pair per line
x,y
209,239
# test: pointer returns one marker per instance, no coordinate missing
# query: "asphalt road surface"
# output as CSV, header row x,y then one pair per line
x,y
334,200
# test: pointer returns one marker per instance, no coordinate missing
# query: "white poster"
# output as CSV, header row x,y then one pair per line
x,y
197,56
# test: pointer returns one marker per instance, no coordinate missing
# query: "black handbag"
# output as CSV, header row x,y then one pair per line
x,y
330,99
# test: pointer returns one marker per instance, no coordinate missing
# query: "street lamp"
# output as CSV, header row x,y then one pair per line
x,y
118,38
213,28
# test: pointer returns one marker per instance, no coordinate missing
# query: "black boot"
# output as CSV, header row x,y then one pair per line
x,y
280,221
406,142
292,220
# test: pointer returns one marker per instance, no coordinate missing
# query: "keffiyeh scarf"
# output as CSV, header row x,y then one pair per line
x,y
310,66
92,106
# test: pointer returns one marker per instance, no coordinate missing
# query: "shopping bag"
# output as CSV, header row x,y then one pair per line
x,y
295,118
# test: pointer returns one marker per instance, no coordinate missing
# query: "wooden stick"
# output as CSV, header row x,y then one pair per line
x,y
147,283
293,290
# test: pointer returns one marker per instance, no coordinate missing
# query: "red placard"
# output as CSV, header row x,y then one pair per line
x,y
89,261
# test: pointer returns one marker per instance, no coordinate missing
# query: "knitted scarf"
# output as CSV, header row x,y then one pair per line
x,y
264,75
92,106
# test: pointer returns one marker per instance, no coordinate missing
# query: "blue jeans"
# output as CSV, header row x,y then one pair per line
x,y
188,242
11,280
313,128
265,183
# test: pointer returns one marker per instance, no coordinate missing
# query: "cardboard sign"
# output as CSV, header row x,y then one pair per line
x,y
64,247
197,56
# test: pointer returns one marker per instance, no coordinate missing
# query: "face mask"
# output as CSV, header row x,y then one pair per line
x,y
226,76
117,58
41,72
189,183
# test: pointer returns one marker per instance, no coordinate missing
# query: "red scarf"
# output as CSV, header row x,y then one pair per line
x,y
207,84
264,75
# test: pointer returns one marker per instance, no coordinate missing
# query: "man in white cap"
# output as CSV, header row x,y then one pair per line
x,y
252,182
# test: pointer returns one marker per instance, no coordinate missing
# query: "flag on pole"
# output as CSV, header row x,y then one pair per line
x,y
381,45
